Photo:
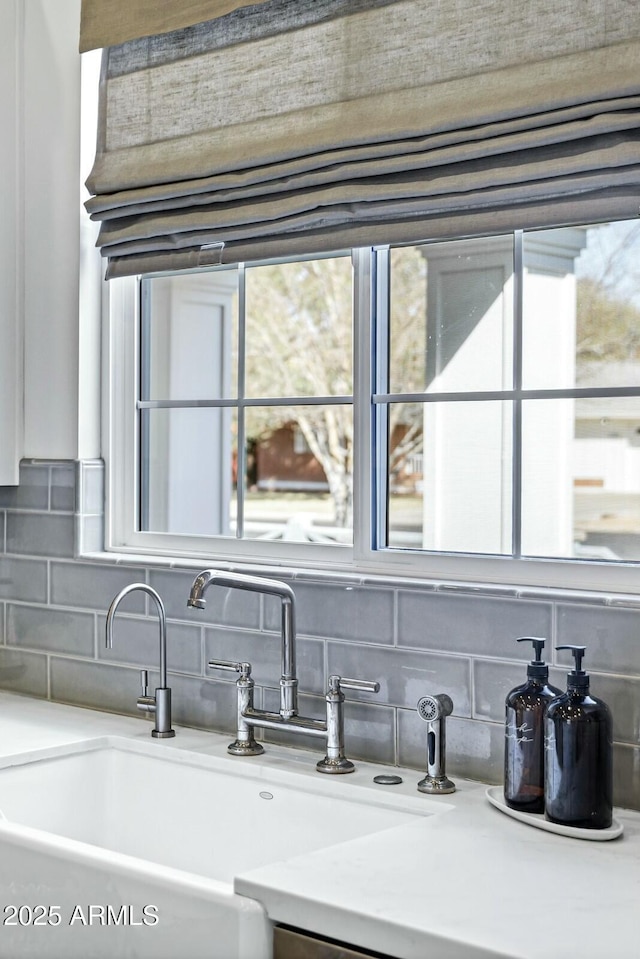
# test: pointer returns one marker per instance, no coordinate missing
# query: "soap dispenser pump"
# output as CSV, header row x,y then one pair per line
x,y
578,754
525,709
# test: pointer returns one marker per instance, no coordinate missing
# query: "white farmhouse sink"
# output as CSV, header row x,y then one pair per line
x,y
112,823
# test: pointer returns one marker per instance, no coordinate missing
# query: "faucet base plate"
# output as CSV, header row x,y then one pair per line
x,y
433,786
169,734
335,766
241,748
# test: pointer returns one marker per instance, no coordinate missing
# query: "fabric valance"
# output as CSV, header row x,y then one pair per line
x,y
287,128
106,23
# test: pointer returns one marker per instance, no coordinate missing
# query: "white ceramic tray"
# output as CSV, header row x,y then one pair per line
x,y
495,795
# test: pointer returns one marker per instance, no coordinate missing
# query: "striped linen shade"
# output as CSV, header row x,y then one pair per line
x,y
286,128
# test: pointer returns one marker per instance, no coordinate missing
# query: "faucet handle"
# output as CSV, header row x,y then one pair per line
x,y
335,761
227,666
364,685
145,702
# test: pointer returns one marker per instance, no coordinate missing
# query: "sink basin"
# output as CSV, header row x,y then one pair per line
x,y
137,846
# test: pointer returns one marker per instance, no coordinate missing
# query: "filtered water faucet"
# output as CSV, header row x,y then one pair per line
x,y
160,704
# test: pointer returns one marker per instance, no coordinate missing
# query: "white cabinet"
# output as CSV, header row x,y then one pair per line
x,y
40,381
11,232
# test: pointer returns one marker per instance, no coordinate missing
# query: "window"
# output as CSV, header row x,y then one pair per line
x,y
441,408
246,405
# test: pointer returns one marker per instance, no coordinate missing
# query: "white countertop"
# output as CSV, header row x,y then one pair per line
x,y
469,882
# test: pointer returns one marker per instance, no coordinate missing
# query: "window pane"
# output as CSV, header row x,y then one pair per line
x,y
299,473
450,476
581,478
298,328
581,309
408,320
190,324
187,471
451,316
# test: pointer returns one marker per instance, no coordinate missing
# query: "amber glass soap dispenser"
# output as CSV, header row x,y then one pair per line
x,y
578,754
525,707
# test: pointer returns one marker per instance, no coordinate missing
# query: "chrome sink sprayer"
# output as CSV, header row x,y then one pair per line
x,y
434,710
160,704
249,718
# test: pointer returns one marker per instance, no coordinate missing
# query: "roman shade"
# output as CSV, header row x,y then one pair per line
x,y
105,23
300,126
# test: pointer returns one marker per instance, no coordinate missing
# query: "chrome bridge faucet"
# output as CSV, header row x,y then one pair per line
x,y
256,584
160,704
250,718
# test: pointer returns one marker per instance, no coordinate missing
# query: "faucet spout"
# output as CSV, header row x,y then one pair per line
x,y
160,704
271,587
162,619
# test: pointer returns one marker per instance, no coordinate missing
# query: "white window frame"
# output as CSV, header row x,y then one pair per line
x,y
122,373
366,557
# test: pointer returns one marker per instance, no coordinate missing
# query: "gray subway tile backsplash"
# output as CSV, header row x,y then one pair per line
x,y
622,695
475,750
96,685
473,624
136,641
414,639
33,491
23,672
91,586
626,776
340,612
63,488
53,630
611,636
40,534
23,579
263,651
404,675
203,703
492,681
224,606
370,733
